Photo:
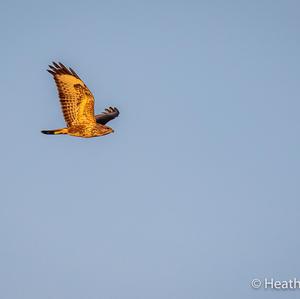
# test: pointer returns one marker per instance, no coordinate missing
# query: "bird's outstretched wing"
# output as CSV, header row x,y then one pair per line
x,y
76,99
106,116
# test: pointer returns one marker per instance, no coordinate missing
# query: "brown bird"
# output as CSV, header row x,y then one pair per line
x,y
77,103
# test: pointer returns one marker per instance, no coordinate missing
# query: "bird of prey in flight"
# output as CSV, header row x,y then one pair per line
x,y
77,103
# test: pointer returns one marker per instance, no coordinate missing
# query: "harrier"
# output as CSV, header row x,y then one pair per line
x,y
77,103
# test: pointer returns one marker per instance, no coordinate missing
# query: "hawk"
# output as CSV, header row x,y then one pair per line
x,y
77,103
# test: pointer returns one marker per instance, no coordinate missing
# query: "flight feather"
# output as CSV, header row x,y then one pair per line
x,y
77,101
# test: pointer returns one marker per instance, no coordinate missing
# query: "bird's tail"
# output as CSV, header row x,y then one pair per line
x,y
55,132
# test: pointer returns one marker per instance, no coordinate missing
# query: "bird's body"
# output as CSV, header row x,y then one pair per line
x,y
77,104
89,130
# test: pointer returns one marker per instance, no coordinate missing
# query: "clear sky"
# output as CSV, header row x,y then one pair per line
x,y
197,191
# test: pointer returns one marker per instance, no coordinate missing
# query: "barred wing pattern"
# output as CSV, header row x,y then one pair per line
x,y
76,99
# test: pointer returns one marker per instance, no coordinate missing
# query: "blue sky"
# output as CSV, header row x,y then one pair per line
x,y
196,192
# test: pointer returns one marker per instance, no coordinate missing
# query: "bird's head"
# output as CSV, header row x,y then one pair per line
x,y
107,130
